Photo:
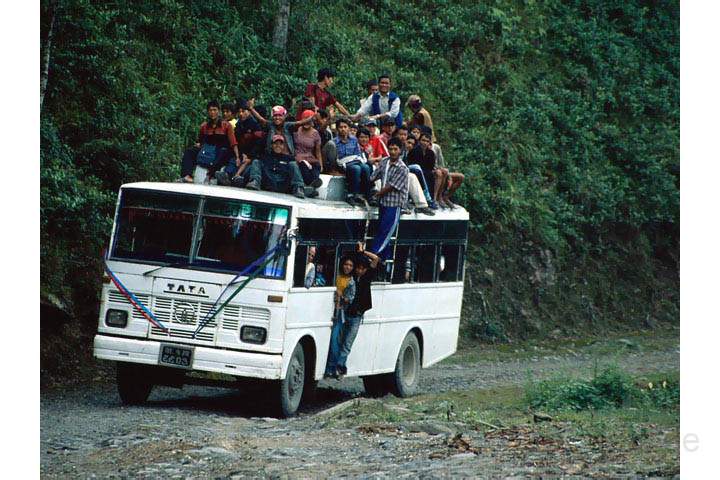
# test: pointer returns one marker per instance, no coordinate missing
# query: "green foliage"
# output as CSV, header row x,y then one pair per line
x,y
564,116
612,388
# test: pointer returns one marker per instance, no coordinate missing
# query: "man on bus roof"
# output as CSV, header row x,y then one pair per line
x,y
318,94
383,103
392,196
276,171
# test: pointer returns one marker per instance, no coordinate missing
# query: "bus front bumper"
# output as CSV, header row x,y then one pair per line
x,y
230,362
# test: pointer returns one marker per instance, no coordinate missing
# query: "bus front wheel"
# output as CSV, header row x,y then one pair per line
x,y
406,377
133,383
292,386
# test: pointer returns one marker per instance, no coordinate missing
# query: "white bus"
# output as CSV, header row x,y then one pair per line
x,y
175,248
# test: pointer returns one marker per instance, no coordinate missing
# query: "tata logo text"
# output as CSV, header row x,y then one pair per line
x,y
186,289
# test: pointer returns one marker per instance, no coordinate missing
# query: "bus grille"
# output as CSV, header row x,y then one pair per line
x,y
182,317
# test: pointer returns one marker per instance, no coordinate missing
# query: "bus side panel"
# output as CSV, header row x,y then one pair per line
x,y
309,310
443,341
404,306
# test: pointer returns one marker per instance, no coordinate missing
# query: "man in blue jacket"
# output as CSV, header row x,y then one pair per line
x,y
384,103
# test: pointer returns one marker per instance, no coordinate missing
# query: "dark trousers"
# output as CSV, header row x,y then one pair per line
x,y
189,160
388,220
311,174
281,180
357,175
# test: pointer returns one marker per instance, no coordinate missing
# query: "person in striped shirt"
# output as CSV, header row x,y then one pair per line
x,y
392,196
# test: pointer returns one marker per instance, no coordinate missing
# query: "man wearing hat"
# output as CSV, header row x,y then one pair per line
x,y
276,171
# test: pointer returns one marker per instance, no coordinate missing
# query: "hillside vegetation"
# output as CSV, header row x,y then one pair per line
x,y
564,116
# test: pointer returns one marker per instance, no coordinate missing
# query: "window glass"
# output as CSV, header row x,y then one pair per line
x,y
448,263
317,258
234,234
424,263
154,226
403,264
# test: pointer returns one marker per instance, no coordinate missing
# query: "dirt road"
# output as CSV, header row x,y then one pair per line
x,y
200,432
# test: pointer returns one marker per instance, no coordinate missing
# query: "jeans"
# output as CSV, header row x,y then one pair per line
x,y
417,171
358,177
335,334
350,331
276,180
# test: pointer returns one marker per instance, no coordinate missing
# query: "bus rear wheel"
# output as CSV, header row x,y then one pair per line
x,y
406,377
133,383
292,386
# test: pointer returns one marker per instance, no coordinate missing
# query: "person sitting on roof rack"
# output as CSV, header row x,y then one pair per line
x,y
357,172
307,154
318,94
453,180
384,103
278,126
248,135
215,145
276,171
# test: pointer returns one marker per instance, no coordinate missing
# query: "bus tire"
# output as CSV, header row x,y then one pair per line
x,y
133,383
293,385
377,385
406,377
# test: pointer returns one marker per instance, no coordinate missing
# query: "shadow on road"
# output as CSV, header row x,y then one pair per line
x,y
251,402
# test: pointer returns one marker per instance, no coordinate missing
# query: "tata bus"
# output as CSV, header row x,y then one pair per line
x,y
173,311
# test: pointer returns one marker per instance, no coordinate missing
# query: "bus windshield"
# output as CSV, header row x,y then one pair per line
x,y
209,233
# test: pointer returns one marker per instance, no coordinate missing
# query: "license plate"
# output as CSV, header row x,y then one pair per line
x,y
176,356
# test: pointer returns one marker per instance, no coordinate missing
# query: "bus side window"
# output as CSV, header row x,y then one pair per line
x,y
425,263
325,266
448,263
403,265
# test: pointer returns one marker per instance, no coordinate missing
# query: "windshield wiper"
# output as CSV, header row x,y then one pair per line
x,y
166,265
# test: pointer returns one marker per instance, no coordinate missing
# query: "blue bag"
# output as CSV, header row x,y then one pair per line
x,y
206,156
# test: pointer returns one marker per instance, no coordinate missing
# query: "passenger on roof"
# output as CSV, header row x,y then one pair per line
x,y
249,136
372,87
379,147
392,196
366,149
383,103
357,172
307,154
327,145
278,126
423,156
387,130
421,117
415,170
218,136
276,171
453,179
229,112
318,94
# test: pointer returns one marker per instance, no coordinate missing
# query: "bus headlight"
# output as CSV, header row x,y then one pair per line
x,y
253,334
116,318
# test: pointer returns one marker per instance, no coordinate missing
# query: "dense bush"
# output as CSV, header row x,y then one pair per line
x,y
563,115
610,389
